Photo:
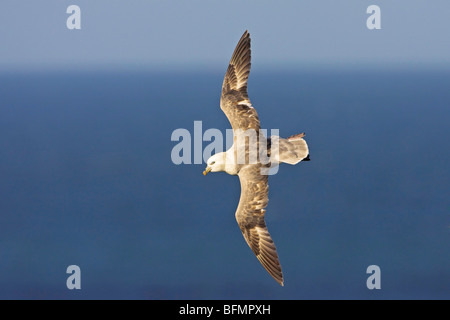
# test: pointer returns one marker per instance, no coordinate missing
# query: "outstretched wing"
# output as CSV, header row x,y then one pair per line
x,y
234,100
250,217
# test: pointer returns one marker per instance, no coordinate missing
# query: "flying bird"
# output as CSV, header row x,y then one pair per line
x,y
253,175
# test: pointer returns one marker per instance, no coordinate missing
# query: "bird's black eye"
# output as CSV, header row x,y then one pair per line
x,y
212,163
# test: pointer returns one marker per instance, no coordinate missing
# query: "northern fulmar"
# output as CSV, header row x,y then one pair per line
x,y
253,175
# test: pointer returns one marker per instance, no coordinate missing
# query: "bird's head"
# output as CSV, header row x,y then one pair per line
x,y
215,163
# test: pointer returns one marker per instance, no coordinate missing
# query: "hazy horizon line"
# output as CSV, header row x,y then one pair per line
x,y
209,68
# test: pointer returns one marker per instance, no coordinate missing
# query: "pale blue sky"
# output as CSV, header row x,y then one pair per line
x,y
202,34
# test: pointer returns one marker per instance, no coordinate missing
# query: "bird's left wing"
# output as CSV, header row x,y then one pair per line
x,y
250,217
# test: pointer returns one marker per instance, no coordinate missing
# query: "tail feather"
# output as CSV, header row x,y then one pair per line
x,y
291,150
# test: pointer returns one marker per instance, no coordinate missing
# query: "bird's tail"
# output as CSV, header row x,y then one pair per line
x,y
291,150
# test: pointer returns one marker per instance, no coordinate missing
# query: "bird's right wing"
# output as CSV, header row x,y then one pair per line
x,y
234,101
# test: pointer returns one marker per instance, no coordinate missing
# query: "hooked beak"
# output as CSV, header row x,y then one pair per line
x,y
207,170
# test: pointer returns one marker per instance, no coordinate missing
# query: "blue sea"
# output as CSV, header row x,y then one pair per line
x,y
86,179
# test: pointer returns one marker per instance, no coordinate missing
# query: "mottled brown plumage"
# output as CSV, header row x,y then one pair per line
x,y
253,176
234,100
250,217
254,186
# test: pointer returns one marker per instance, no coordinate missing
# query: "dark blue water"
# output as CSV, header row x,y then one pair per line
x,y
86,178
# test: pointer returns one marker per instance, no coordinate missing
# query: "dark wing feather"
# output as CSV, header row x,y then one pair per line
x,y
250,217
234,100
